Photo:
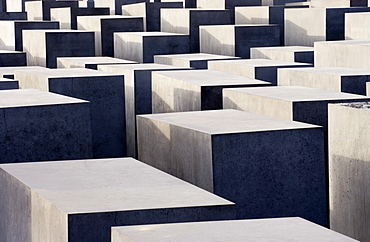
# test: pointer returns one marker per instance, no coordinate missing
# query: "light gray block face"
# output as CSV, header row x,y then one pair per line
x,y
237,155
279,229
349,166
188,21
40,10
302,54
338,3
104,27
90,62
193,60
110,192
194,90
336,79
356,26
261,69
44,46
236,40
8,72
138,94
12,58
14,6
6,84
143,46
39,126
105,92
115,6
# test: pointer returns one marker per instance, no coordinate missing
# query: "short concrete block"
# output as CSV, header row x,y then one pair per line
x,y
303,54
194,90
261,69
243,157
81,200
12,58
104,27
236,40
105,92
44,46
142,46
90,62
39,126
356,26
40,10
6,84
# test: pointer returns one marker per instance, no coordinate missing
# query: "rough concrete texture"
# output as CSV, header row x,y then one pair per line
x,y
261,69
143,46
356,26
6,84
12,58
260,230
40,10
39,126
336,79
44,46
194,90
90,62
105,92
110,192
138,94
269,167
105,26
338,3
236,40
303,54
349,167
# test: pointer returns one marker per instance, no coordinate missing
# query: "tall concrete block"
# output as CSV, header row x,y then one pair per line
x,y
303,54
261,69
40,10
89,62
12,58
194,90
104,27
6,84
39,126
105,93
138,94
336,79
11,37
142,46
115,6
243,157
188,21
44,46
259,230
356,26
150,12
338,3
80,200
193,60
8,72
13,16
349,167
236,40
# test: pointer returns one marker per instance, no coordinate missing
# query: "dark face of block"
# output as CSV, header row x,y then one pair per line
x,y
13,59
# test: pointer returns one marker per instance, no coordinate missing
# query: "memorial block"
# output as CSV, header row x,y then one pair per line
x,y
12,58
338,3
303,54
40,10
13,15
356,26
8,72
89,62
115,6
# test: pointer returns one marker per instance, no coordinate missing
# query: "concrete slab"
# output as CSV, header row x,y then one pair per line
x,y
105,93
6,84
115,6
90,62
12,58
303,54
39,126
338,3
237,155
356,26
8,72
194,90
110,192
40,10
283,2
261,69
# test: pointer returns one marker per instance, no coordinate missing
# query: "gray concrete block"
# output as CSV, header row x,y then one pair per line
x,y
13,16
188,21
138,94
303,54
338,3
80,200
269,167
40,10
193,60
115,6
259,230
186,3
6,84
236,40
356,26
150,12
105,92
194,90
39,126
12,58
104,27
89,62
336,79
142,46
11,37
13,5
44,46
261,69
8,72
349,167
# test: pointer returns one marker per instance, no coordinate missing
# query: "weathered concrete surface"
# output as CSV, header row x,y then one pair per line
x,y
356,26
80,200
105,92
40,10
303,54
90,62
12,58
194,90
6,84
349,167
269,167
39,126
338,3
260,230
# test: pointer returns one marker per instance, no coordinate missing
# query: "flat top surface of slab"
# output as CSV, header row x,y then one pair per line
x,y
226,121
149,34
262,63
95,60
109,17
237,25
58,31
10,52
11,70
279,229
144,66
198,56
6,80
345,42
72,72
287,48
298,93
31,97
335,71
211,78
120,184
